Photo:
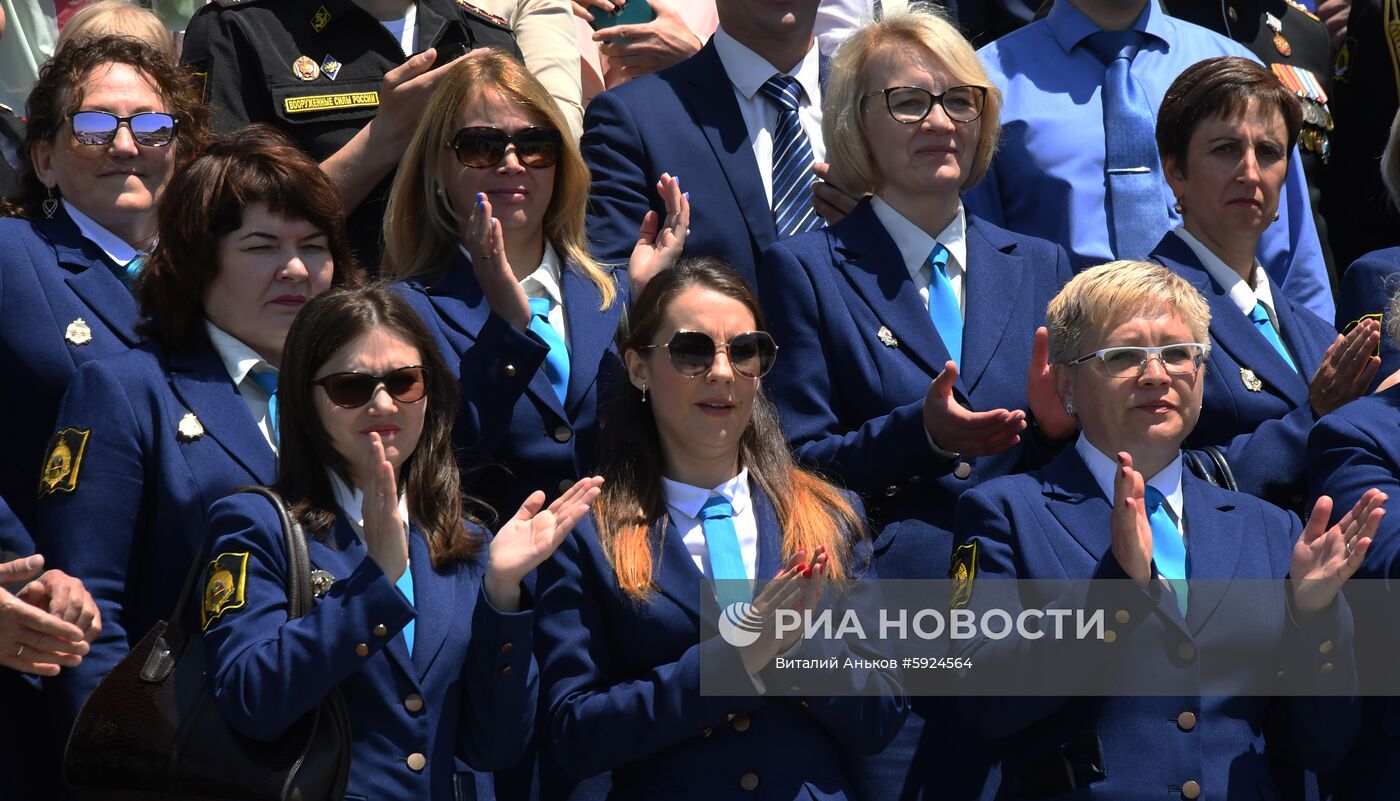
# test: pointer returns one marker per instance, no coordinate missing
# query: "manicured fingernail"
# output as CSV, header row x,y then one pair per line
x,y
480,198
685,195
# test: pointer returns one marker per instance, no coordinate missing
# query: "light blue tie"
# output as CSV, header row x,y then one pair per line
x,y
1265,326
556,363
1137,206
132,269
792,160
405,585
943,304
726,560
268,382
1168,551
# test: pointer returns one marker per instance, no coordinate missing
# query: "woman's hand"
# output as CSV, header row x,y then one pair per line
x,y
796,587
484,241
64,597
954,427
31,639
1323,560
636,50
1130,532
581,8
386,538
1050,414
658,246
1347,370
530,537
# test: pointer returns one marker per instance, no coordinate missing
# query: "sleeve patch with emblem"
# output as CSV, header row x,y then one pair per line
x,y
63,460
228,578
963,573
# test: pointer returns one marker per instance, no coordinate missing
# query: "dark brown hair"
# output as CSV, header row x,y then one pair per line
x,y
59,92
205,202
1220,87
810,511
329,322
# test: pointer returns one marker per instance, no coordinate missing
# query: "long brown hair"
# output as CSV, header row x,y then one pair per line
x,y
429,475
811,512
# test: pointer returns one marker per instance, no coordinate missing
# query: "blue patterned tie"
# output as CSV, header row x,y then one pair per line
x,y
267,380
726,560
943,304
556,363
1265,326
405,585
1168,551
1137,206
792,161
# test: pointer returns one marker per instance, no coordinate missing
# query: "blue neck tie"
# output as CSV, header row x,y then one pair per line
x,y
792,161
1137,206
556,363
943,304
1265,326
132,269
1168,551
268,382
726,560
405,585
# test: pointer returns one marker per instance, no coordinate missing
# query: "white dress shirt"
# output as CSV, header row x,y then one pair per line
x,y
404,29
915,246
1243,295
1167,482
748,71
547,282
684,502
240,361
109,243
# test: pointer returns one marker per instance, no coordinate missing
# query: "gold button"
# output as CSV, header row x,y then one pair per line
x,y
1122,616
749,781
1325,648
891,490
565,484
413,703
416,762
505,671
380,630
1232,14
707,732
362,650
1186,720
740,723
509,370
1326,667
562,434
1110,635
507,647
1191,790
1186,651
963,470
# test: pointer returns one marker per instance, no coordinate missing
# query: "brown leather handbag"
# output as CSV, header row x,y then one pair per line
x,y
151,730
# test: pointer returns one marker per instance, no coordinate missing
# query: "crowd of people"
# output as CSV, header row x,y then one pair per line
x,y
550,320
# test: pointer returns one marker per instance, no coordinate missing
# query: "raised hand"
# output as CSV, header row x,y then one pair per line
x,y
1130,532
637,50
404,94
33,640
581,8
1348,368
64,597
658,245
1041,396
954,427
1324,559
830,198
785,591
386,538
481,234
528,538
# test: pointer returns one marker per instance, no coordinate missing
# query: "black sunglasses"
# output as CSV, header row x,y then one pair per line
x,y
910,104
149,128
481,147
353,390
693,353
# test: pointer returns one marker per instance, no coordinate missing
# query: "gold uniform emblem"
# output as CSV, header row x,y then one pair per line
x,y
306,69
228,578
65,458
964,572
320,19
1250,380
78,332
189,429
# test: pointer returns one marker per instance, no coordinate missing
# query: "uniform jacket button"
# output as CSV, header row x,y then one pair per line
x,y
507,647
1186,651
1122,616
509,370
740,723
1186,720
749,781
1325,648
381,630
562,434
1110,636
1326,667
963,470
505,671
413,703
362,650
416,761
1191,790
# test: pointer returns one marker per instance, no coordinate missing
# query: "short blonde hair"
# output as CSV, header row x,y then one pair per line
x,y
119,18
921,27
1112,293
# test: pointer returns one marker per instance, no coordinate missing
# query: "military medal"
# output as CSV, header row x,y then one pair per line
x,y
1250,380
78,333
306,69
330,67
189,429
1280,44
886,337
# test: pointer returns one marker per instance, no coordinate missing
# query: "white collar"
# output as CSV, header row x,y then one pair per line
x,y
109,243
1104,470
239,359
549,276
352,501
687,499
748,71
1242,294
915,244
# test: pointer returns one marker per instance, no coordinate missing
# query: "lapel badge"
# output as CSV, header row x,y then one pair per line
x,y
330,67
306,69
190,429
78,333
886,337
1250,380
320,19
321,582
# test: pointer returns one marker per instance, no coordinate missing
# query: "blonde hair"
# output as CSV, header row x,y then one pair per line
x,y
919,27
119,18
1120,290
420,233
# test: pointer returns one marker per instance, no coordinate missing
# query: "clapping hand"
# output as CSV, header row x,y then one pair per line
x,y
955,427
1347,370
658,245
1044,401
797,586
32,639
487,246
1324,559
386,537
1129,530
531,536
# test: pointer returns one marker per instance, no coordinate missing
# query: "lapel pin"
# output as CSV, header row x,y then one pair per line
x,y
886,337
330,67
321,582
190,429
1251,381
78,332
306,69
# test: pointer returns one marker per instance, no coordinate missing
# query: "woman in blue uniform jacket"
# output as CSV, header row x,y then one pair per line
x,y
486,222
1128,343
148,439
423,625
1225,130
699,488
81,219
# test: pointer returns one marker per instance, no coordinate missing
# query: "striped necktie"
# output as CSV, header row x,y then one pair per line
x,y
792,160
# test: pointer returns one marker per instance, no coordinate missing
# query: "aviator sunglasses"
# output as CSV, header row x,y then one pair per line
x,y
693,353
353,390
481,147
149,128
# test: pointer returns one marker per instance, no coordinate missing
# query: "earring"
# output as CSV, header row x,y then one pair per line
x,y
1275,216
50,205
644,392
1178,208
1069,408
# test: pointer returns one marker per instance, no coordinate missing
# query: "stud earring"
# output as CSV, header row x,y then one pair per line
x,y
1275,216
1178,208
1069,408
50,205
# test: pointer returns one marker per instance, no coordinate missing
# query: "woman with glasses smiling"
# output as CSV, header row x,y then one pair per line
x,y
485,223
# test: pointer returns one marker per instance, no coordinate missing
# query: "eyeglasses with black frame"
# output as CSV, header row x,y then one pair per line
x,y
353,390
693,353
911,104
482,146
149,128
1180,358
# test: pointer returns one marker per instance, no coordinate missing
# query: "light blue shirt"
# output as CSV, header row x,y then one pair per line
x,y
1047,178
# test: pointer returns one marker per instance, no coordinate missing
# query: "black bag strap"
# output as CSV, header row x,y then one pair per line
x,y
1214,469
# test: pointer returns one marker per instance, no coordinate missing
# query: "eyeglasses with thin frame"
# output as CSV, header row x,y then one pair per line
x,y
149,128
1180,358
911,104
481,146
353,390
693,353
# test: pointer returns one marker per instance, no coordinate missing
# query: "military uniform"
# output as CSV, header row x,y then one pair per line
x,y
313,68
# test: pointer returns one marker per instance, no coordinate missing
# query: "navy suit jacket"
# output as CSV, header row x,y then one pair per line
x,y
858,352
513,435
471,666
136,520
1054,524
1264,432
622,683
50,276
1366,289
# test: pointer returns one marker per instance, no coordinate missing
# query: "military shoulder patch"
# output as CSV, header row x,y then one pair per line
x,y
310,103
64,459
228,577
963,572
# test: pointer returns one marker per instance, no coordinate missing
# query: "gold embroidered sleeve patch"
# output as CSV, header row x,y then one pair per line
x,y
963,573
228,575
65,457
